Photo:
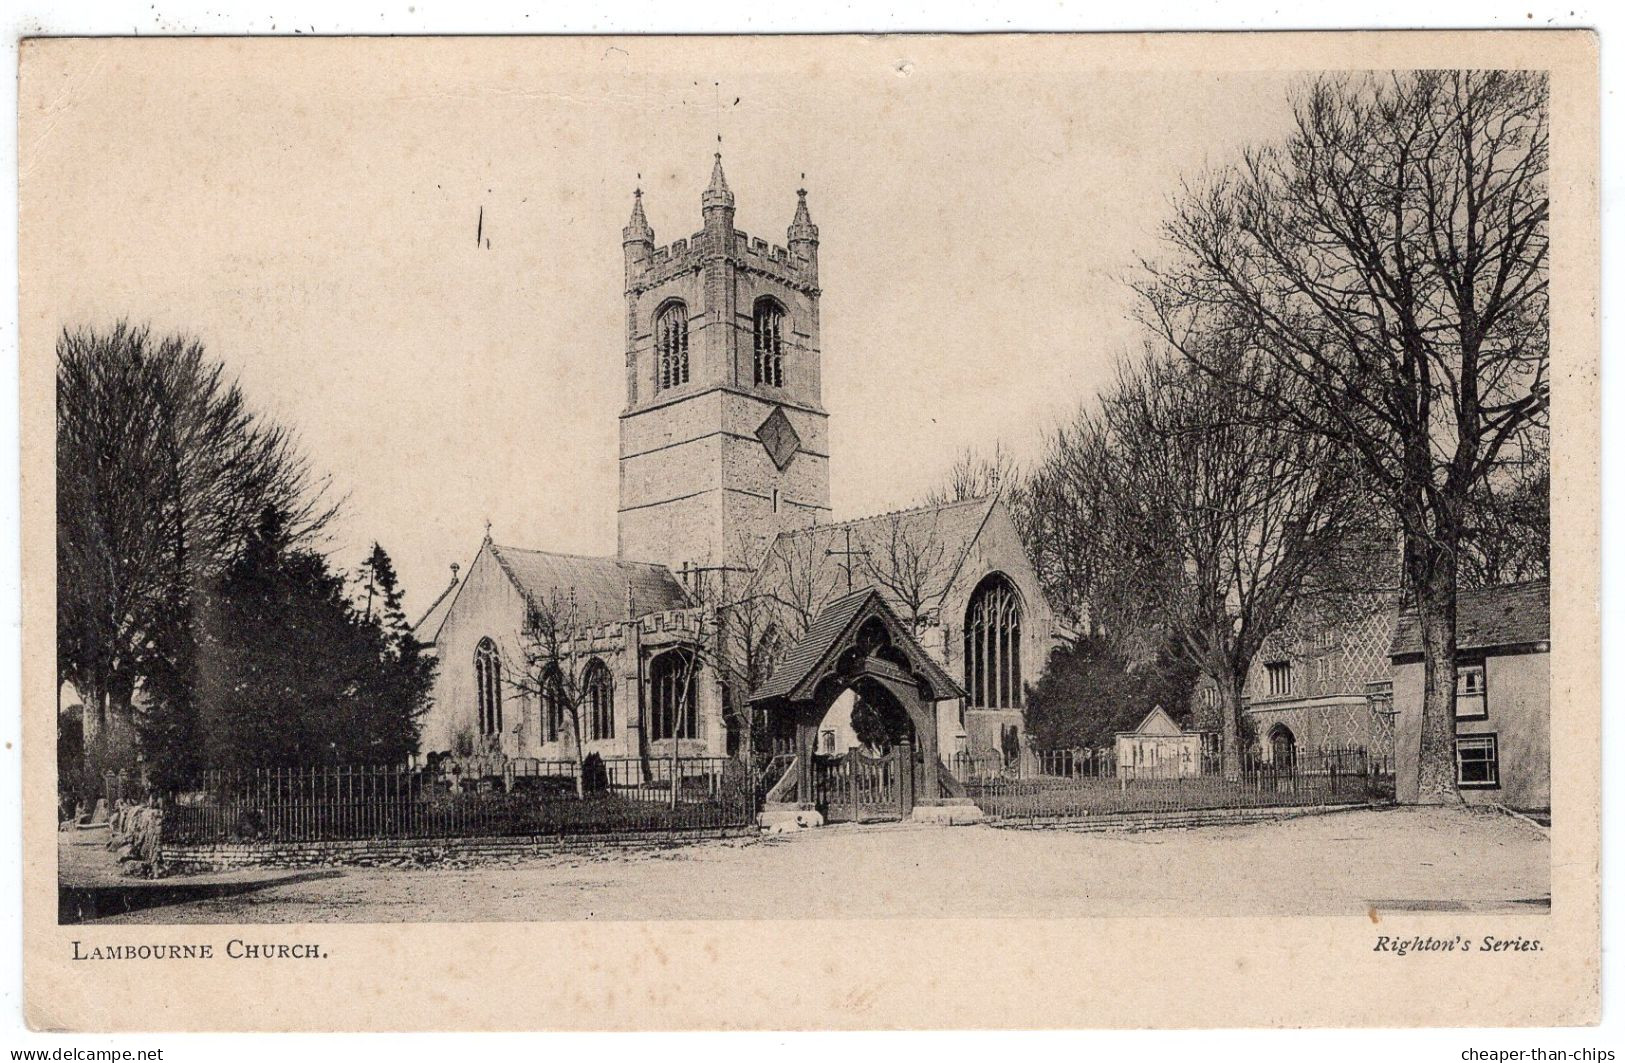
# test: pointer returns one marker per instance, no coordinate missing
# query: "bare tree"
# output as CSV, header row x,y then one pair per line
x,y
1222,520
1507,537
557,670
744,642
1391,256
906,555
796,578
1069,501
975,475
163,472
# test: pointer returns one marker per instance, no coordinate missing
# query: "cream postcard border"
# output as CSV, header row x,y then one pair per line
x,y
958,973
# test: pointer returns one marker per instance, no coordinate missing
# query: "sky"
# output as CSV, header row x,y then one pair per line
x,y
308,209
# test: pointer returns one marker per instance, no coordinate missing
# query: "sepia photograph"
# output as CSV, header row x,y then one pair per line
x,y
691,482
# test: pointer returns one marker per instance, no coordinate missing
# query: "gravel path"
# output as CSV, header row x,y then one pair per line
x,y
1351,862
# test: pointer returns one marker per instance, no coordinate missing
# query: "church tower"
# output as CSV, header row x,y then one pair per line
x,y
724,439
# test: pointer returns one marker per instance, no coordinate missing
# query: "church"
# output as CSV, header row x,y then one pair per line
x,y
729,566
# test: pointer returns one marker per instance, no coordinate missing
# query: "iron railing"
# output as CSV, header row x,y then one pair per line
x,y
1073,784
711,794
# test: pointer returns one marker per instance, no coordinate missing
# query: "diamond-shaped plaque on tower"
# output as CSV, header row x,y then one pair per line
x,y
779,438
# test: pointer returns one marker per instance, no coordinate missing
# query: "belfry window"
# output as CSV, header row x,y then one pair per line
x,y
671,347
488,686
769,331
993,645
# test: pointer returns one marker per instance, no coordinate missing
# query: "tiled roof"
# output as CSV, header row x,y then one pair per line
x,y
600,584
825,632
1512,614
945,532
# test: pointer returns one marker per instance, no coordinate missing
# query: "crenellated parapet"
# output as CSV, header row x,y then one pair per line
x,y
666,263
611,636
723,386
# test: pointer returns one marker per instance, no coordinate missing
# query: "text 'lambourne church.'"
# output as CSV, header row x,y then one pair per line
x,y
726,545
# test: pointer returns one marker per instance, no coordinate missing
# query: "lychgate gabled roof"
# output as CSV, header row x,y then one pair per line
x,y
832,632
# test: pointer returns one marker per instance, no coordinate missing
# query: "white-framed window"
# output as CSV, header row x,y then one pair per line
x,y
1478,762
1280,677
1471,703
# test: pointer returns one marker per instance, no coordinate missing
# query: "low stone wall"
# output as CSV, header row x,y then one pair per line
x,y
1139,821
413,852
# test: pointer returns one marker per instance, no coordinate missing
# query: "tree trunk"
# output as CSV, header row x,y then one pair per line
x,y
1229,686
120,710
581,756
1433,581
95,714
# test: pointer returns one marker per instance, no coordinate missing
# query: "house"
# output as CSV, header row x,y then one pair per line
x,y
1503,696
1321,682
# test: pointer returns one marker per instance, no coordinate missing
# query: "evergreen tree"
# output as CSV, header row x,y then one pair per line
x,y
1089,692
396,693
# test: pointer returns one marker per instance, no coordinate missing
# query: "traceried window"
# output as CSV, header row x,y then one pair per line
x,y
671,696
600,691
488,686
993,645
1478,762
552,706
671,346
1470,700
1280,676
769,345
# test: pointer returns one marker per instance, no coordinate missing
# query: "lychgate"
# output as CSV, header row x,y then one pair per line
x,y
857,643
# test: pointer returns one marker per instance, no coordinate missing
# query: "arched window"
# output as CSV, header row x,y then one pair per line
x,y
672,680
552,705
769,331
488,686
769,648
993,645
671,346
600,699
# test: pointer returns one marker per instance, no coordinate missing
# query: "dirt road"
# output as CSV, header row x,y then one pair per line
x,y
1400,859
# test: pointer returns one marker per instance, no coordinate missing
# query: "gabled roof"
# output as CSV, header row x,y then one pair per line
x,y
943,533
837,623
603,587
1157,722
1512,614
426,629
